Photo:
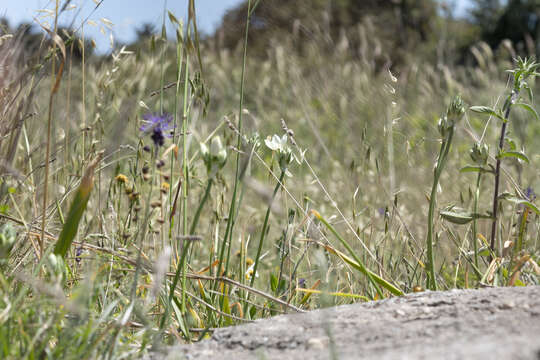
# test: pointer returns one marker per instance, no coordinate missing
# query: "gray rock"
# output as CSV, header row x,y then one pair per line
x,y
495,323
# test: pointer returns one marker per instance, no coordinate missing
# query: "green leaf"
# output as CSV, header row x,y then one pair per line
x,y
472,168
529,108
531,206
529,92
460,216
484,251
486,110
514,154
273,282
519,201
78,206
180,317
511,143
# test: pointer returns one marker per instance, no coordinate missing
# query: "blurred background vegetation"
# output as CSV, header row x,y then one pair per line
x,y
405,29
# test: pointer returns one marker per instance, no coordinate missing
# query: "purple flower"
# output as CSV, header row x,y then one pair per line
x,y
78,254
530,194
159,126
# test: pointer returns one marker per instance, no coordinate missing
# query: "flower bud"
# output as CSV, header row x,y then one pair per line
x,y
214,157
443,125
456,110
454,113
218,152
479,153
56,267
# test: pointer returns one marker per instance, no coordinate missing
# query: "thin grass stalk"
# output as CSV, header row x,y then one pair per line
x,y
463,253
185,170
54,89
432,281
495,208
265,227
139,236
230,221
179,58
447,123
373,279
162,69
518,246
83,90
390,149
474,229
68,104
522,229
201,205
161,90
232,215
179,272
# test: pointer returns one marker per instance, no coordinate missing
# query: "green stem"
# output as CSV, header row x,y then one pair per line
x,y
522,229
141,232
445,148
201,205
179,58
232,214
185,182
230,220
474,231
263,234
179,271
498,176
265,227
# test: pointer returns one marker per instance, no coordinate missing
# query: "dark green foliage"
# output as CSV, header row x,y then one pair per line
x,y
518,21
326,21
486,13
31,37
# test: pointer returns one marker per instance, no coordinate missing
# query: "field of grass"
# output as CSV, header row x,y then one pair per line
x,y
154,195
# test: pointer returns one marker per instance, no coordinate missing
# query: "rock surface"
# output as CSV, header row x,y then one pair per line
x,y
495,323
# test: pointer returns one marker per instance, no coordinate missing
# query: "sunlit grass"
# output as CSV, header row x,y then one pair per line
x,y
271,191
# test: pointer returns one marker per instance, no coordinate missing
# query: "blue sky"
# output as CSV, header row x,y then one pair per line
x,y
126,15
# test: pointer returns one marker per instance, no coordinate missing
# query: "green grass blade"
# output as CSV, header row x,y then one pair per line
x,y
78,206
357,263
